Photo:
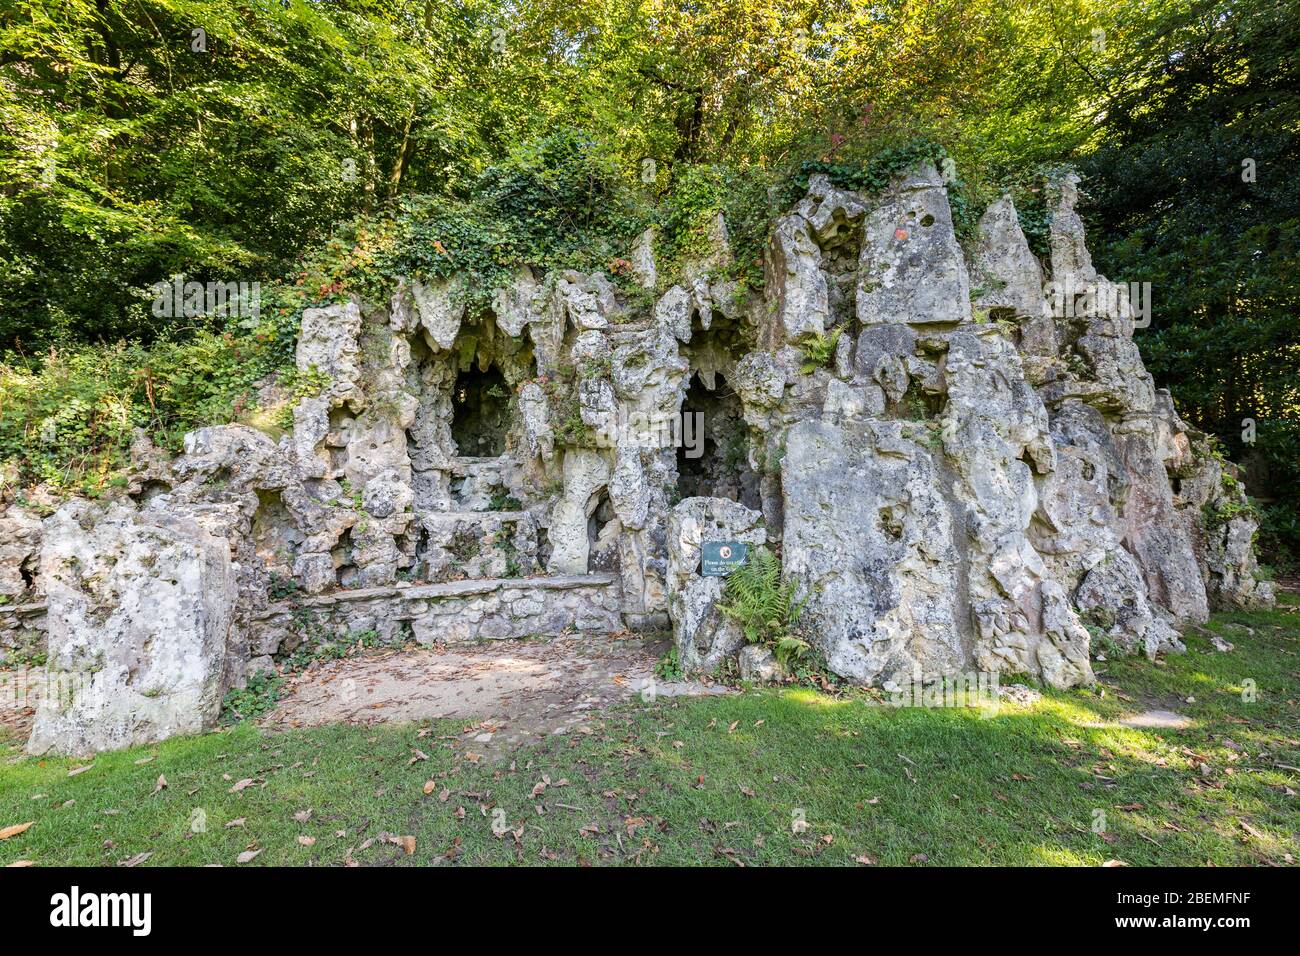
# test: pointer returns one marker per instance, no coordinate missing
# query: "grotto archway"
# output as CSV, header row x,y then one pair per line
x,y
712,455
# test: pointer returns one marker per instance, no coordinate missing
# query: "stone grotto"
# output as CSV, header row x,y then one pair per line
x,y
968,482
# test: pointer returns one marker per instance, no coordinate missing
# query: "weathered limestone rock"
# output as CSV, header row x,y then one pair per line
x,y
1217,516
1155,536
760,381
705,636
441,307
830,210
1007,276
673,312
586,473
20,544
643,260
516,305
598,405
139,608
911,270
1078,529
759,665
1071,262
884,355
798,284
1231,565
237,456
534,409
327,342
493,544
1110,599
647,371
629,489
589,302
881,587
995,435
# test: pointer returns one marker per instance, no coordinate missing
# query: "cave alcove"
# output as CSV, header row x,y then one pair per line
x,y
480,402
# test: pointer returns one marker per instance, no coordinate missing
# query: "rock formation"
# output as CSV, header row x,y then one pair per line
x,y
973,479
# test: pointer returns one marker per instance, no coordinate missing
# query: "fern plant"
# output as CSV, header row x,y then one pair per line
x,y
818,350
764,606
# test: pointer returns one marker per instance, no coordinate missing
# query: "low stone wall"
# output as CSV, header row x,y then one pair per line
x,y
455,612
22,632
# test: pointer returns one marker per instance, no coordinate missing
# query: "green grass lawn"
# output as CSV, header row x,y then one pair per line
x,y
728,780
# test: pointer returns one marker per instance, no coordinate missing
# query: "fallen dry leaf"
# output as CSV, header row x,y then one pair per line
x,y
159,786
242,785
307,840
16,829
247,856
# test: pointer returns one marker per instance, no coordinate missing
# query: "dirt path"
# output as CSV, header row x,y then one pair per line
x,y
518,690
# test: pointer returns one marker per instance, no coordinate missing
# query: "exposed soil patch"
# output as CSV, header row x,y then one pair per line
x,y
518,690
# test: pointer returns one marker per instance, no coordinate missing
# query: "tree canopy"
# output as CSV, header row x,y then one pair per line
x,y
259,139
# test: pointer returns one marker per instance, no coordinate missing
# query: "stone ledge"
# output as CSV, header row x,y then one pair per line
x,y
449,589
22,610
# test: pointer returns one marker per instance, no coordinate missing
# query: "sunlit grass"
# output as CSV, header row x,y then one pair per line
x,y
766,776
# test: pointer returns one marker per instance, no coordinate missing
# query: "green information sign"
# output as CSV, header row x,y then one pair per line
x,y
720,558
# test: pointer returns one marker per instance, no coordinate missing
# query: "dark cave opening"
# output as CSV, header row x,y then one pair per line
x,y
712,454
480,405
